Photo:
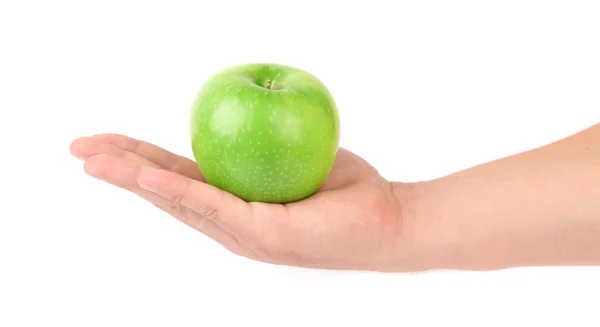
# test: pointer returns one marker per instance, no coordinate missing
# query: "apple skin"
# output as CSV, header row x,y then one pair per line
x,y
265,132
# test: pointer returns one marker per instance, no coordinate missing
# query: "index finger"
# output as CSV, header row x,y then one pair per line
x,y
161,157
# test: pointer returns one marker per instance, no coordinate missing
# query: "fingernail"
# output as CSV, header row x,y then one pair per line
x,y
148,187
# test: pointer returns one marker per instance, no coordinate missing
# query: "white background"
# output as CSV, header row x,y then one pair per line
x,y
424,88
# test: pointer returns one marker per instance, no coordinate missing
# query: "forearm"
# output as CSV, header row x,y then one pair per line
x,y
537,208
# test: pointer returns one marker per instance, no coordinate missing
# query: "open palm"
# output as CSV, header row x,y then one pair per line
x,y
352,222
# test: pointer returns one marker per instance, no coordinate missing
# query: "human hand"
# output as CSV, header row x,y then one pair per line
x,y
357,220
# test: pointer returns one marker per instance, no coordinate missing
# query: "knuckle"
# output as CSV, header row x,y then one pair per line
x,y
176,209
175,164
177,198
199,223
206,212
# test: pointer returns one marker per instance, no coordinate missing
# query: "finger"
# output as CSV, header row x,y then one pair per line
x,y
226,210
124,177
163,158
86,147
124,147
208,228
118,172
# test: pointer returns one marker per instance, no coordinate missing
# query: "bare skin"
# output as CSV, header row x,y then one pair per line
x,y
541,207
537,208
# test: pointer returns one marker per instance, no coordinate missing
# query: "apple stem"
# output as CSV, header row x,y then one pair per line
x,y
268,84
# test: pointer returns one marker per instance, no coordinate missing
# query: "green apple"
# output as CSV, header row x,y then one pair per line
x,y
265,132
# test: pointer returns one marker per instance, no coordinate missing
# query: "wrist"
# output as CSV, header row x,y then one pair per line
x,y
508,214
536,208
452,232
426,241
452,223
